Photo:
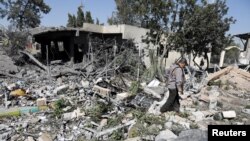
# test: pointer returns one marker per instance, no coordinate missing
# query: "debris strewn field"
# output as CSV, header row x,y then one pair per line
x,y
87,102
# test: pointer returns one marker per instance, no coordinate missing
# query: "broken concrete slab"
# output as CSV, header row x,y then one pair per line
x,y
154,83
246,111
218,74
192,135
198,116
204,98
134,139
12,86
218,116
30,139
41,102
85,84
209,113
75,114
229,114
152,92
122,96
179,120
45,137
61,89
155,107
102,91
168,125
7,65
103,123
165,135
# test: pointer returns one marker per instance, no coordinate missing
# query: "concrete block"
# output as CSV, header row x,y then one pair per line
x,y
229,114
41,102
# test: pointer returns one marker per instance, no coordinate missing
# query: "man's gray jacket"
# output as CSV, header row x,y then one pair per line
x,y
176,78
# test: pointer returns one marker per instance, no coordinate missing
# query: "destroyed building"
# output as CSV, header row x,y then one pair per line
x,y
69,43
75,43
61,102
245,39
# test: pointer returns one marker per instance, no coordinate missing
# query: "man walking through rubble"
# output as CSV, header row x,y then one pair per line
x,y
176,79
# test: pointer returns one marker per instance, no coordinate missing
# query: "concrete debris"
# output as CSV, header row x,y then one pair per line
x,y
133,139
41,102
155,107
229,114
30,139
103,123
85,84
154,83
76,114
218,116
152,92
192,135
204,98
11,86
89,102
218,74
122,96
45,137
102,91
198,116
60,89
168,125
165,135
247,111
180,121
6,64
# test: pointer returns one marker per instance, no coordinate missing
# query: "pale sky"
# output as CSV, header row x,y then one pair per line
x,y
102,9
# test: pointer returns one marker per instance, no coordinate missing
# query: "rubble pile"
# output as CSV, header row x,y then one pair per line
x,y
74,104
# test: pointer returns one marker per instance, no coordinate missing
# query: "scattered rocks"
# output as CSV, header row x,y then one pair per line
x,y
247,111
168,125
165,135
69,107
218,116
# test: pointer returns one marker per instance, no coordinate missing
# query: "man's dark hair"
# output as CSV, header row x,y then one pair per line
x,y
183,61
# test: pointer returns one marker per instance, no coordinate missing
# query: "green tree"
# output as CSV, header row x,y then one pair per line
x,y
71,21
158,16
113,19
203,28
74,20
80,17
189,26
23,13
89,17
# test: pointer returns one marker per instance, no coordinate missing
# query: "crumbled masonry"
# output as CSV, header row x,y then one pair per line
x,y
75,102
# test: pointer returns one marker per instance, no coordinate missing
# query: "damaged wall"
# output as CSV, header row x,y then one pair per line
x,y
69,44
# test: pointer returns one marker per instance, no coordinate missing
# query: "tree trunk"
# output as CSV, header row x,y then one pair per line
x,y
161,68
206,56
195,55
